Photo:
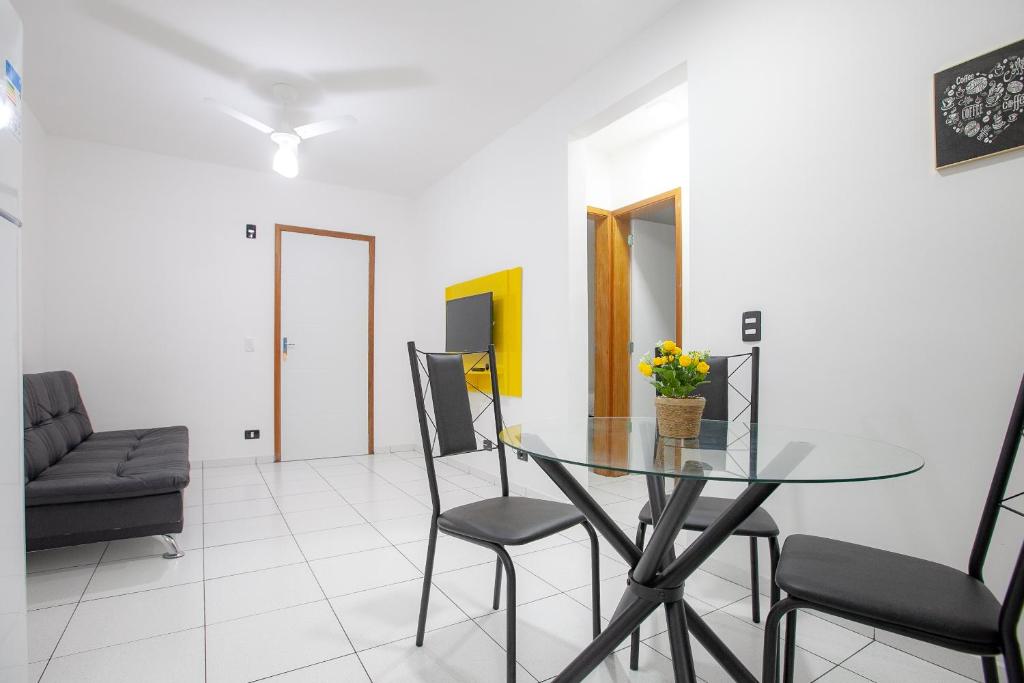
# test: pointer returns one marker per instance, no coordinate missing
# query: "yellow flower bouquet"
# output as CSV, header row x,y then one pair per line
x,y
676,374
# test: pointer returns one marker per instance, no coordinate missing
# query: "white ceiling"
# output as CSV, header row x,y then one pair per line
x,y
429,81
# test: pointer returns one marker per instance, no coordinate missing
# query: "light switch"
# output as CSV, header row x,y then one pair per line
x,y
250,344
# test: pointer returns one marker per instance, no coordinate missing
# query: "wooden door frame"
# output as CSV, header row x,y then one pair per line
x,y
612,324
371,243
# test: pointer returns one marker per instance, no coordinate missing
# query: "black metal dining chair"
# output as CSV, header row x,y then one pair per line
x,y
708,508
917,598
493,523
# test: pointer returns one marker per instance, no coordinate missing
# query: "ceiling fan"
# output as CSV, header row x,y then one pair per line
x,y
287,138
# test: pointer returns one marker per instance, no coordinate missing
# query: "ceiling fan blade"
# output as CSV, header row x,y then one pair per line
x,y
311,130
244,118
150,31
374,79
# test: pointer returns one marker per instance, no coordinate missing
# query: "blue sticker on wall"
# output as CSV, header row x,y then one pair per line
x,y
12,76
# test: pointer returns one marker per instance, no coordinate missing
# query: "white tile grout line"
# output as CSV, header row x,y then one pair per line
x,y
202,549
433,586
395,547
315,578
202,532
65,630
840,664
484,474
460,466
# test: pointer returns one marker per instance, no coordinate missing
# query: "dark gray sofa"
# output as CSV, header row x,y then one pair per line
x,y
83,486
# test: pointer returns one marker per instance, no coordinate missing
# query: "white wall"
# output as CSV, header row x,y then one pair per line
x,y
143,284
814,199
35,203
643,168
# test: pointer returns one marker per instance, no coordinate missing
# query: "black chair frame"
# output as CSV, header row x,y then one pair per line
x,y
751,410
1011,606
504,560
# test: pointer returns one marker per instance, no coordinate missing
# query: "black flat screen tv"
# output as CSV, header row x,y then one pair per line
x,y
468,323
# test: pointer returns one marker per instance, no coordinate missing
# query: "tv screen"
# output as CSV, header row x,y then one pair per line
x,y
468,323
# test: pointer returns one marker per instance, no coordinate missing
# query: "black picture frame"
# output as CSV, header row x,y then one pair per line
x,y
979,107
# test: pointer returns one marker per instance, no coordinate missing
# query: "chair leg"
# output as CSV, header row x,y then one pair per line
x,y
428,572
770,669
755,587
634,639
990,670
1012,660
773,549
789,659
595,579
510,615
497,583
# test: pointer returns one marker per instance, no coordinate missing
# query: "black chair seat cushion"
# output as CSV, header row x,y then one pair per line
x,y
121,464
509,520
905,592
708,508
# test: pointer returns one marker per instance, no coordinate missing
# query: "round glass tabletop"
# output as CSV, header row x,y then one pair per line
x,y
726,451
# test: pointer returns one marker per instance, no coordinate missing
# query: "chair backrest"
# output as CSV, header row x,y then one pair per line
x,y
450,415
717,392
998,500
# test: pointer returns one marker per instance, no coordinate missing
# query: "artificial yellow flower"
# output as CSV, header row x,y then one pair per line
x,y
703,368
660,360
668,346
685,361
645,369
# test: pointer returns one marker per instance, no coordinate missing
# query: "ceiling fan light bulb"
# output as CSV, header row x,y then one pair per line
x,y
286,160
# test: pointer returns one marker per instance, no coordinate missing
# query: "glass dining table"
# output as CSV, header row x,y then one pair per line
x,y
760,455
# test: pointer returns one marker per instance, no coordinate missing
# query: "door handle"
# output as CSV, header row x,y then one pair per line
x,y
285,345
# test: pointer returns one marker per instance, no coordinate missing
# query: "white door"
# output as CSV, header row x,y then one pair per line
x,y
325,368
652,290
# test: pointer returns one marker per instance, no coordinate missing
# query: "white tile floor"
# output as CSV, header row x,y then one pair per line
x,y
310,571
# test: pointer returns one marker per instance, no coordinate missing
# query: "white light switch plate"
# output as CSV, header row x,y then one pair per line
x,y
250,344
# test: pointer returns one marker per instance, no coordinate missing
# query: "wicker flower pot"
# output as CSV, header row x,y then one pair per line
x,y
679,418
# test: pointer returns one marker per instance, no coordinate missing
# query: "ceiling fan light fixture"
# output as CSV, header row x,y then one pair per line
x,y
286,160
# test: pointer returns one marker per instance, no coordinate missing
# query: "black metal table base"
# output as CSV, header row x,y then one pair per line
x,y
657,575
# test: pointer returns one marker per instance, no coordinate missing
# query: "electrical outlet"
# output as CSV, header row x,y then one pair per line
x,y
250,231
252,434
488,445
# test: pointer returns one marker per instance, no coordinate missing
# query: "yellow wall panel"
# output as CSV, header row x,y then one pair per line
x,y
506,288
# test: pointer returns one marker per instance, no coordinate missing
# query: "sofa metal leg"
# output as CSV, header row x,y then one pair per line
x,y
175,552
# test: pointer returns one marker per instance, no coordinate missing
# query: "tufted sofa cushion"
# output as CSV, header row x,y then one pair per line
x,y
121,464
55,420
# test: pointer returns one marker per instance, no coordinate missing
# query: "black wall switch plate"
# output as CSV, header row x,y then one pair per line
x,y
250,231
252,433
752,326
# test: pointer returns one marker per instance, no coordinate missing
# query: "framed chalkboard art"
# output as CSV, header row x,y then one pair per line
x,y
979,107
